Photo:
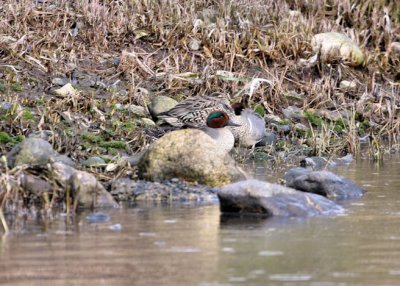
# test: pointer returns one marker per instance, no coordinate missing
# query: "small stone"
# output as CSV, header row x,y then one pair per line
x,y
194,44
148,123
136,110
347,85
293,112
67,90
64,159
161,104
94,162
59,81
269,138
316,163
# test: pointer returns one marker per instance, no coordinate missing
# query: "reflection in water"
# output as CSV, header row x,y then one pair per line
x,y
195,246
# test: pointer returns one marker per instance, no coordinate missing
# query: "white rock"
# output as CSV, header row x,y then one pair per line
x,y
332,45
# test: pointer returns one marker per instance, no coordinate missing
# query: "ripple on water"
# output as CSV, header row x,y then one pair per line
x,y
290,277
237,279
270,253
181,249
394,272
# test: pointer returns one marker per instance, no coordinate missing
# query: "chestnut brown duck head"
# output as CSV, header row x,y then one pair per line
x,y
217,128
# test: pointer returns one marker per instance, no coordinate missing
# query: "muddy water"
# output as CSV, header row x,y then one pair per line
x,y
187,245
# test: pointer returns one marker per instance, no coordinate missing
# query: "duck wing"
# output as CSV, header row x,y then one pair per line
x,y
193,112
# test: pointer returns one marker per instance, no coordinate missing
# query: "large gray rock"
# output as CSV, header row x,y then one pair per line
x,y
31,151
190,155
88,192
263,198
327,184
161,104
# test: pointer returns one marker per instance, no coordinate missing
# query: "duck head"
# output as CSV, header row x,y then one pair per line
x,y
237,107
219,119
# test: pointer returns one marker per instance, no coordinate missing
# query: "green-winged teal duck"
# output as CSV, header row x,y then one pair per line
x,y
247,126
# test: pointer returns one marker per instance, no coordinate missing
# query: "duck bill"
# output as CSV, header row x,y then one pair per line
x,y
233,124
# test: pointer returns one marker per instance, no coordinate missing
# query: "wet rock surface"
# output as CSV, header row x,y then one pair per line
x,y
84,186
324,183
48,173
266,199
190,155
125,189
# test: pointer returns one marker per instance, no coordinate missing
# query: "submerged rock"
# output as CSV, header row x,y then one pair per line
x,y
188,154
31,151
325,183
263,198
174,190
332,45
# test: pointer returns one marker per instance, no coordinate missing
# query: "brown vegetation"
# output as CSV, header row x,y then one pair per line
x,y
134,50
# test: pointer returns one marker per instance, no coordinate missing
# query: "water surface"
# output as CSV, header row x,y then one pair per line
x,y
186,245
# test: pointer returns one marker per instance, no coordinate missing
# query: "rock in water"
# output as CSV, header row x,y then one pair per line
x,y
31,151
190,155
84,186
327,184
293,173
266,199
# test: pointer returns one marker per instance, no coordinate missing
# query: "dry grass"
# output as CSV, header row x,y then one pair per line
x,y
145,47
